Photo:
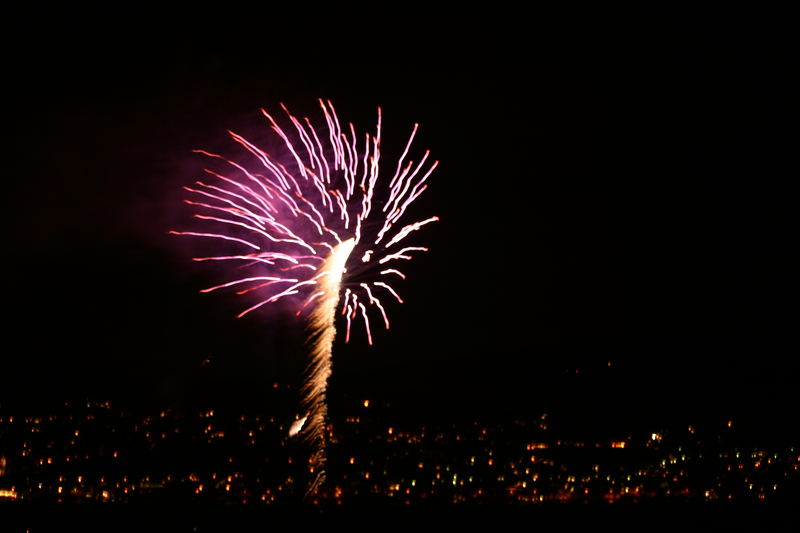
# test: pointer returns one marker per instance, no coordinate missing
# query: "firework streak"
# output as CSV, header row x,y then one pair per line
x,y
309,222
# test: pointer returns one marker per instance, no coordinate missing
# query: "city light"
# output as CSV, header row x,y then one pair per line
x,y
450,462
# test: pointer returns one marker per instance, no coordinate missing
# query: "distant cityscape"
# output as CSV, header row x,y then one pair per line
x,y
95,452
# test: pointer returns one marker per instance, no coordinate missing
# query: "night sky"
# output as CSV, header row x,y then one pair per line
x,y
622,195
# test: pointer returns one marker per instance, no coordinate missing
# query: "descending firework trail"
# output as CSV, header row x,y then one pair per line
x,y
308,223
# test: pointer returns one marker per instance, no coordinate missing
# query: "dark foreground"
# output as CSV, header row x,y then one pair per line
x,y
210,470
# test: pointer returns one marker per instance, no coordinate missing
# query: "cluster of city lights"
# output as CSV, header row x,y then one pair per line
x,y
96,453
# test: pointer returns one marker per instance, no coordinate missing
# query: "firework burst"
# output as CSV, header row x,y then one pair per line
x,y
310,221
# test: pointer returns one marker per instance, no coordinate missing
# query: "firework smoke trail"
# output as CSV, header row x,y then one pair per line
x,y
298,220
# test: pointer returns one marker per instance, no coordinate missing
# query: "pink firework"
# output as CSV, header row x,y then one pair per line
x,y
304,220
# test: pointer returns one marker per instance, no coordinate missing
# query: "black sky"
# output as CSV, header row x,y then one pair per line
x,y
615,193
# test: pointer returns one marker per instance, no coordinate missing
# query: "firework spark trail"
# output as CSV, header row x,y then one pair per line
x,y
300,215
322,333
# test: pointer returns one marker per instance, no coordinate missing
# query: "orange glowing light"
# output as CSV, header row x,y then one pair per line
x,y
620,444
366,403
536,446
